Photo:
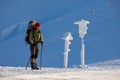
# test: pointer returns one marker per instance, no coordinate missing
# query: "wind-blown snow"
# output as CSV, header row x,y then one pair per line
x,y
94,73
109,70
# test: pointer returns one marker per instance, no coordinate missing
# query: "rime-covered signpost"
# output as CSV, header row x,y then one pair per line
x,y
82,32
67,39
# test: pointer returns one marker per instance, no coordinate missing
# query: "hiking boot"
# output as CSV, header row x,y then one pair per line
x,y
35,68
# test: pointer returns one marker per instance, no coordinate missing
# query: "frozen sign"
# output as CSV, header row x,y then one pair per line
x,y
67,39
82,27
82,32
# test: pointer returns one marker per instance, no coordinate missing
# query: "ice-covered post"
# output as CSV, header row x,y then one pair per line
x,y
82,32
67,39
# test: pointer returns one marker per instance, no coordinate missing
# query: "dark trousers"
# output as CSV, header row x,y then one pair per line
x,y
34,54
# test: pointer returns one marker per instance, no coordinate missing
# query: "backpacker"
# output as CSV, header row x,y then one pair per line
x,y
30,26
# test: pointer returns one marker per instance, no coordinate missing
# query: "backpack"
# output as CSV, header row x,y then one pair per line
x,y
27,36
30,26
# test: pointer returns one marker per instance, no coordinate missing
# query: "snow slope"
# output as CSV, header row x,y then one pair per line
x,y
60,74
57,17
92,72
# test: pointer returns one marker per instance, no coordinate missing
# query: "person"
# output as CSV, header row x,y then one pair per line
x,y
35,39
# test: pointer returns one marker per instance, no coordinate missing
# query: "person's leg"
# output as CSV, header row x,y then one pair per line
x,y
33,57
36,55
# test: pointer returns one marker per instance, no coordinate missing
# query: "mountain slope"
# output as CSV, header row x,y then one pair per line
x,y
57,17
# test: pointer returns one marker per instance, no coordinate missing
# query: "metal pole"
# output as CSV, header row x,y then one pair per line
x,y
65,60
27,63
82,53
41,58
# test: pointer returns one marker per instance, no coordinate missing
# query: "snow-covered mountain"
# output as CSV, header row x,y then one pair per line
x,y
57,17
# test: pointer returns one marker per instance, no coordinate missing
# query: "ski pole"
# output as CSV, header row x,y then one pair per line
x,y
41,58
27,64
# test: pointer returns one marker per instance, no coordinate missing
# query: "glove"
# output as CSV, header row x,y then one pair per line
x,y
41,43
31,42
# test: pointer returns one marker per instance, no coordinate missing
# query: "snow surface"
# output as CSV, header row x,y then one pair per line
x,y
93,73
109,70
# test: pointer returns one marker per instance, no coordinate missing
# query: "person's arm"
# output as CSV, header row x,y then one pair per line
x,y
31,37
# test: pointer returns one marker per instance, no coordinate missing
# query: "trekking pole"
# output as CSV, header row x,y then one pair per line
x,y
27,64
41,58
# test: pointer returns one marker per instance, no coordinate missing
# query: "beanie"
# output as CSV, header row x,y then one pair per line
x,y
37,25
